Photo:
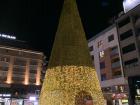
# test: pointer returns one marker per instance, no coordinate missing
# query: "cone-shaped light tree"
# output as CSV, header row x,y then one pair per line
x,y
70,78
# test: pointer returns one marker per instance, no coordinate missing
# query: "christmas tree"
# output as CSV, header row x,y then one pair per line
x,y
70,78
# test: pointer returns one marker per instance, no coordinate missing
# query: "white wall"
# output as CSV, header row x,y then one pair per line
x,y
104,37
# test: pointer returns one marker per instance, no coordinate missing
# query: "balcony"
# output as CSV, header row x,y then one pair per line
x,y
115,64
114,52
33,67
6,64
114,82
3,73
18,76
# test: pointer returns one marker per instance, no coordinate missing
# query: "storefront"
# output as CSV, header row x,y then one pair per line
x,y
6,99
120,99
134,87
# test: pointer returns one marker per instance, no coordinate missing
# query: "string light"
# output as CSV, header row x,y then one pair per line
x,y
63,83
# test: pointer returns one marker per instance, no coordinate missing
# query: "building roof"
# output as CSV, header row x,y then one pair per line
x,y
134,10
17,44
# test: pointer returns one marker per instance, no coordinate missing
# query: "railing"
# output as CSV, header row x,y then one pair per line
x,y
115,64
114,52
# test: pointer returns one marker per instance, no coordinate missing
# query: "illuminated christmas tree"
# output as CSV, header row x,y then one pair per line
x,y
70,78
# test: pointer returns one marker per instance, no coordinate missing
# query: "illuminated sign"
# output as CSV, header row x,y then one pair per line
x,y
5,95
7,36
130,4
124,101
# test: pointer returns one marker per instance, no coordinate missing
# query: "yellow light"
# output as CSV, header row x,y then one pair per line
x,y
9,81
62,84
37,83
125,101
38,75
26,82
9,78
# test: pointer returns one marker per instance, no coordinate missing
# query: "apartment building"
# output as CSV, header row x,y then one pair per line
x,y
105,52
128,26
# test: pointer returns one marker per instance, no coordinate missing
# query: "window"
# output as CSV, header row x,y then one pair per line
x,y
102,65
101,54
91,48
126,35
115,60
117,73
19,61
100,43
3,68
37,92
92,57
132,61
17,79
5,59
124,22
103,77
33,62
115,63
128,48
114,50
110,38
33,71
19,69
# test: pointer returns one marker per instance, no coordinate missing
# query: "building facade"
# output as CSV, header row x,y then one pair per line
x,y
20,71
128,26
105,52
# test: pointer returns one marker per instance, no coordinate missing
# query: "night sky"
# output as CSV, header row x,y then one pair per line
x,y
35,21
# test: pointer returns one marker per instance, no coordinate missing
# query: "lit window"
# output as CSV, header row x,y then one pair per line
x,y
101,54
100,43
4,59
138,91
